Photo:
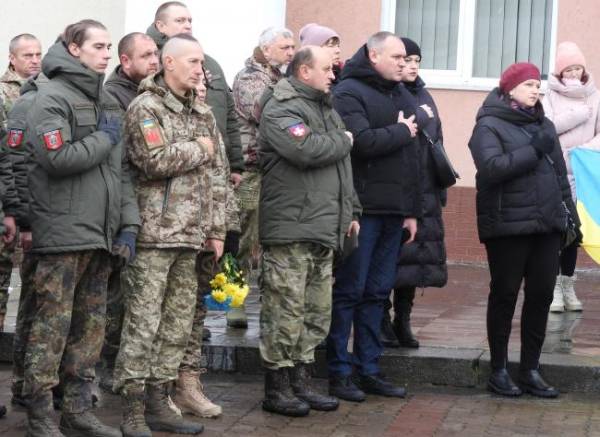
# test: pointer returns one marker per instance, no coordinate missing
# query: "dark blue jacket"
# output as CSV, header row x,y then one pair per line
x,y
385,159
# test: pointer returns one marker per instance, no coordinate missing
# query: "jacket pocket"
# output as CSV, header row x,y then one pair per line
x,y
85,119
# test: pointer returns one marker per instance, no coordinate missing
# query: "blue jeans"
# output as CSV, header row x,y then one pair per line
x,y
362,284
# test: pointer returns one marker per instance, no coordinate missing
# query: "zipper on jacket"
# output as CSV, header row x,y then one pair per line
x,y
165,204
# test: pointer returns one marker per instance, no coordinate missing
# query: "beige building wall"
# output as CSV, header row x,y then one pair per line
x,y
355,20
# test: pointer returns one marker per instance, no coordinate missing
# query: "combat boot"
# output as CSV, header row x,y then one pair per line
x,y
40,422
160,417
236,318
85,424
17,394
190,398
279,397
134,423
300,383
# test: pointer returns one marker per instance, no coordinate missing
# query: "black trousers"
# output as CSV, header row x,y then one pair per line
x,y
534,259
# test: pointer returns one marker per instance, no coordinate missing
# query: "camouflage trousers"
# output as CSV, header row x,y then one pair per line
x,y
248,193
115,311
67,327
295,316
25,314
6,267
160,292
206,269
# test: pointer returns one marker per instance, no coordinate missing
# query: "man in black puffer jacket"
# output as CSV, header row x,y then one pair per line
x,y
386,169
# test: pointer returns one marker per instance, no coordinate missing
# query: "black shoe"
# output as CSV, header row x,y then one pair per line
x,y
374,384
388,336
501,383
206,334
279,397
344,388
532,382
300,382
2,411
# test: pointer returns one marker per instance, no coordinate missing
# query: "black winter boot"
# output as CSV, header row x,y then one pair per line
x,y
403,303
40,422
160,417
388,336
300,381
279,397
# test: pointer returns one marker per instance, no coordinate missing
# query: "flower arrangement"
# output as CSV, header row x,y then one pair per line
x,y
228,288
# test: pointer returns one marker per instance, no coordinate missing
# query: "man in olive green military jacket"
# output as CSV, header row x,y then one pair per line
x,y
81,208
307,206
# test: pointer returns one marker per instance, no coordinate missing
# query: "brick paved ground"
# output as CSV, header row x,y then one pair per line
x,y
428,411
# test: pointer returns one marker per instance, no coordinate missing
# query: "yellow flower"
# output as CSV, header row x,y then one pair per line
x,y
219,296
245,289
218,281
230,289
237,299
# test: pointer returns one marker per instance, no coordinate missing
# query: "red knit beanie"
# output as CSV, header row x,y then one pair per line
x,y
516,74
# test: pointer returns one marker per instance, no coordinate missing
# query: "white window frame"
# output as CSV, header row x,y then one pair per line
x,y
462,77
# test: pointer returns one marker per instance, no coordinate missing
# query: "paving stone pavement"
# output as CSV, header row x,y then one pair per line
x,y
428,411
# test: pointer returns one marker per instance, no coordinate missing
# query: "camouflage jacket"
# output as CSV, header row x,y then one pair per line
x,y
248,86
10,88
181,191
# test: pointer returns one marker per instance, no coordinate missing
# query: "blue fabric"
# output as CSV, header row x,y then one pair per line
x,y
362,283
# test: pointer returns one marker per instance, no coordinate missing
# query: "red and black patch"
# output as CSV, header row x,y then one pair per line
x,y
152,134
15,138
298,130
53,139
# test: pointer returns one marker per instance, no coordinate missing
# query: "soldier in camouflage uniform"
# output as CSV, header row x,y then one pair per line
x,y
263,69
25,56
81,199
181,188
307,205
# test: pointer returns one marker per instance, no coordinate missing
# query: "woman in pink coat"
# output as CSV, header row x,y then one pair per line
x,y
572,103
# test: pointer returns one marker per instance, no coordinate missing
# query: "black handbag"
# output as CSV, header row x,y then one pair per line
x,y
571,232
445,174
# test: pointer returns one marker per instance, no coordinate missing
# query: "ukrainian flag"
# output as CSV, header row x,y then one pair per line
x,y
586,169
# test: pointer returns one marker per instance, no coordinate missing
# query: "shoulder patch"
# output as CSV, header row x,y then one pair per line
x,y
152,134
15,138
298,130
53,139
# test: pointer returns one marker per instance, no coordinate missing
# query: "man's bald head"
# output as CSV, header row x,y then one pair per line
x,y
183,59
312,66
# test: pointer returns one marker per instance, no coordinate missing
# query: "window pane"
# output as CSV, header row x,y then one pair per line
x,y
508,31
433,24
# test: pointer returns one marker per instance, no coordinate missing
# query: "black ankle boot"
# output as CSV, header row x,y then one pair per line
x,y
403,303
532,382
501,383
388,336
300,383
279,397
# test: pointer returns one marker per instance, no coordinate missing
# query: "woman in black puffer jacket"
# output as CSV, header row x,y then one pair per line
x,y
423,262
521,186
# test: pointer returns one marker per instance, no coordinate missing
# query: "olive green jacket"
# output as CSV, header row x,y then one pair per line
x,y
80,191
307,193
